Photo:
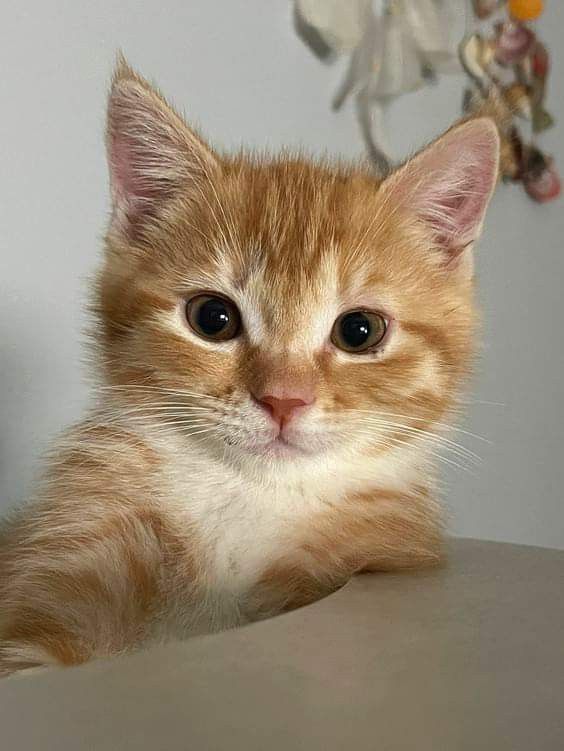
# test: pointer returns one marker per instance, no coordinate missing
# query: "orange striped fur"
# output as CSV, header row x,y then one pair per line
x,y
174,508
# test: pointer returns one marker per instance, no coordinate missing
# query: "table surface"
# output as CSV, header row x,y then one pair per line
x,y
470,656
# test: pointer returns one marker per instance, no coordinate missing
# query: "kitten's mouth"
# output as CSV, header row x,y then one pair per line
x,y
280,446
281,443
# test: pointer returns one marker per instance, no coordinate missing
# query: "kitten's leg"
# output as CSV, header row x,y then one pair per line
x,y
74,590
380,531
407,535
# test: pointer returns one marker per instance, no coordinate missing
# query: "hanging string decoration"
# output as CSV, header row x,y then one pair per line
x,y
402,49
508,66
409,44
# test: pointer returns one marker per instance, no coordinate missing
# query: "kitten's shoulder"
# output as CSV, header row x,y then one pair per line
x,y
102,457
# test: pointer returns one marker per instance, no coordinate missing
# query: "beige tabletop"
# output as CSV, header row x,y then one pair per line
x,y
467,657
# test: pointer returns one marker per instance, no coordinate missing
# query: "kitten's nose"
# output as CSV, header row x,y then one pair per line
x,y
283,409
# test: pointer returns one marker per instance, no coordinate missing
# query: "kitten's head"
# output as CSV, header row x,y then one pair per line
x,y
284,308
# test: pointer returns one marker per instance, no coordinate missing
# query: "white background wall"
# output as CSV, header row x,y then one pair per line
x,y
237,68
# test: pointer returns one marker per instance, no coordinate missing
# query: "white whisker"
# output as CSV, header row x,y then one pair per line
x,y
159,389
441,425
437,439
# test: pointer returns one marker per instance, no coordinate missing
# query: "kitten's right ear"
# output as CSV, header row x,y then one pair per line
x,y
153,155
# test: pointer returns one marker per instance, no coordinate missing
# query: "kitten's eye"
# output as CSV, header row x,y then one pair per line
x,y
359,330
213,317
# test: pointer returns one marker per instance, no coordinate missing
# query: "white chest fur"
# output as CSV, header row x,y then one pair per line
x,y
248,518
244,522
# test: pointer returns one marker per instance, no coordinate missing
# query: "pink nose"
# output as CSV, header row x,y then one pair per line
x,y
282,409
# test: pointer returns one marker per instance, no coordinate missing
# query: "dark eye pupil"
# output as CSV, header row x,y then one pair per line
x,y
213,316
355,329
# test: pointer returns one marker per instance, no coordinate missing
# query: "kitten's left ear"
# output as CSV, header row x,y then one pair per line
x,y
449,184
153,155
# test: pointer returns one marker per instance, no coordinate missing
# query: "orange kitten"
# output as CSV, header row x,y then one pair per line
x,y
281,342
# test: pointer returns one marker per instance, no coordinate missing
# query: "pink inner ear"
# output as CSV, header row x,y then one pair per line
x,y
129,182
455,208
138,148
136,190
148,155
450,183
133,198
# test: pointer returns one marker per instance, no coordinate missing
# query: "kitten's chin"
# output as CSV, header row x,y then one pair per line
x,y
284,449
280,448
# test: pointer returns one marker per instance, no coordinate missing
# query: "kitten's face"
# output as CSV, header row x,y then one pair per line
x,y
279,309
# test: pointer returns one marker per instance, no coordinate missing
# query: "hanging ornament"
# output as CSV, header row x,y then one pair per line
x,y
512,50
518,99
526,10
331,25
540,178
476,56
538,73
410,42
485,8
399,69
413,46
430,25
513,43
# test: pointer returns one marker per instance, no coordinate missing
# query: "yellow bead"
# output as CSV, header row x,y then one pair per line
x,y
526,10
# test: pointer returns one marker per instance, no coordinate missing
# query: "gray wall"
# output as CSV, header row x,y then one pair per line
x,y
237,68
